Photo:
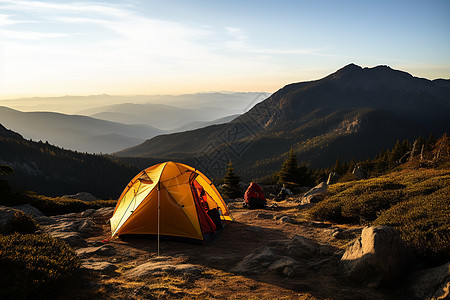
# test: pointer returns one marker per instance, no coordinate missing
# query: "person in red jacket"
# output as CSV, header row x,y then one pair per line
x,y
254,197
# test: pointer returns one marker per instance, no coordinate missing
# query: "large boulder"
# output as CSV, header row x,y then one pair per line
x,y
256,261
377,258
316,194
433,283
29,210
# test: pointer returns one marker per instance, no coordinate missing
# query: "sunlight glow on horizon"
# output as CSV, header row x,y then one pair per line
x,y
55,48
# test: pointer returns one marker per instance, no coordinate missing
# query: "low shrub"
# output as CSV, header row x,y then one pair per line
x,y
33,266
20,223
423,223
416,202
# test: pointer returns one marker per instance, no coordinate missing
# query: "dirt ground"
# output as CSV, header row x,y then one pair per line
x,y
216,259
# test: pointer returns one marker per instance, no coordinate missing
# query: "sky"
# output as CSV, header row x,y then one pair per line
x,y
55,48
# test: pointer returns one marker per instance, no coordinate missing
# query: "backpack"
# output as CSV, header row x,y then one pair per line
x,y
254,197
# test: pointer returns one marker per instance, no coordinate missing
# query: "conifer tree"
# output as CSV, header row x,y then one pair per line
x,y
289,169
231,181
292,172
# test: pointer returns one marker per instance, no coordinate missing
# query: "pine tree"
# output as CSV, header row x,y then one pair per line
x,y
289,169
230,182
292,172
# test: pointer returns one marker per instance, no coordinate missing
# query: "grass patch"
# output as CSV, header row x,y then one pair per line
x,y
52,205
20,223
33,265
416,202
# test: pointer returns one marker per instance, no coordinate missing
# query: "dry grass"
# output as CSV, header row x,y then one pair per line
x,y
416,202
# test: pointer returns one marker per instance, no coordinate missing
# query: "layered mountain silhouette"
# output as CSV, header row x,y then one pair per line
x,y
76,132
352,113
47,169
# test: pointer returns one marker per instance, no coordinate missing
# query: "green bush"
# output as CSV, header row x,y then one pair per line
x,y
32,266
416,202
358,202
20,223
423,223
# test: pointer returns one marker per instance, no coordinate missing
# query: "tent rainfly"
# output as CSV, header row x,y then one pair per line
x,y
170,199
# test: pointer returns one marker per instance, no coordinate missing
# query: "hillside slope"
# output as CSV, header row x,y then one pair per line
x,y
53,171
352,113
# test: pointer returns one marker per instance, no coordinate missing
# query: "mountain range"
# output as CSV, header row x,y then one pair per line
x,y
352,113
109,128
76,132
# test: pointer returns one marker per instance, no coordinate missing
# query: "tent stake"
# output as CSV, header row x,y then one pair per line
x,y
158,214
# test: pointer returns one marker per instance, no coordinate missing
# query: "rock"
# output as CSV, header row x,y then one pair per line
x,y
433,283
74,239
149,268
300,247
332,178
105,250
285,219
105,212
86,226
319,263
316,194
252,263
87,213
285,265
6,214
264,215
346,234
99,266
29,210
319,224
288,272
64,226
83,196
377,258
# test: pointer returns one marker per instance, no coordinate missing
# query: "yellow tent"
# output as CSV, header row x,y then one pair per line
x,y
170,199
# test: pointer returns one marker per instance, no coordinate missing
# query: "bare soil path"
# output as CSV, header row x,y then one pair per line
x,y
186,270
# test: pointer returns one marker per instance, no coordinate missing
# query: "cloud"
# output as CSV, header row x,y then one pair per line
x,y
101,47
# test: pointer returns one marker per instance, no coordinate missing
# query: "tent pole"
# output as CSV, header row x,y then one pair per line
x,y
158,213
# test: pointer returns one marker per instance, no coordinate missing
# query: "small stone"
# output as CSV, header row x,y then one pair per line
x,y
288,272
87,212
86,226
99,266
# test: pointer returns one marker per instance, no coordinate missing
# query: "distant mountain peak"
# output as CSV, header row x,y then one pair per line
x,y
350,68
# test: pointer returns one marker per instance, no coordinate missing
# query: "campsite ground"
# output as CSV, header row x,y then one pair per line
x,y
210,266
